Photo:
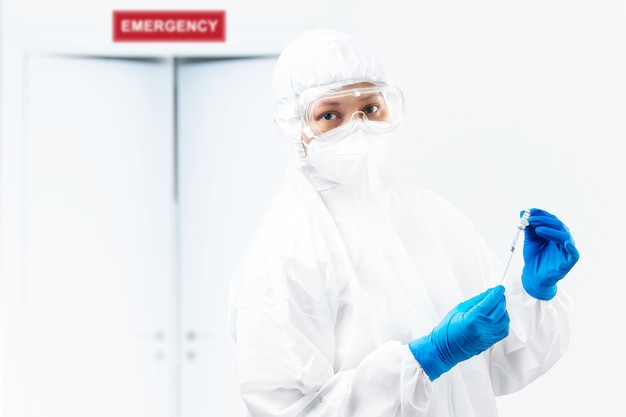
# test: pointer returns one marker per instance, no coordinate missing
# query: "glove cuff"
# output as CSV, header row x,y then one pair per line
x,y
427,355
539,292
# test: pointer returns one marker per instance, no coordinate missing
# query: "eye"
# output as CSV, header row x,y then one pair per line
x,y
327,116
371,108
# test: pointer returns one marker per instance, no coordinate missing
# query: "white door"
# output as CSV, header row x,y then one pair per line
x,y
230,167
97,229
138,206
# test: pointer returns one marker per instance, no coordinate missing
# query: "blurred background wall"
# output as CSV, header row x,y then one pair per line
x,y
133,175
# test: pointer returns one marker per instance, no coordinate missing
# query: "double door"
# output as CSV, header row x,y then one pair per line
x,y
142,182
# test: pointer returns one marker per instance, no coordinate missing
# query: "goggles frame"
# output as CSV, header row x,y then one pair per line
x,y
391,106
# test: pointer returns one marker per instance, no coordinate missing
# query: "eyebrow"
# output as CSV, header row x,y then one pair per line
x,y
338,102
328,103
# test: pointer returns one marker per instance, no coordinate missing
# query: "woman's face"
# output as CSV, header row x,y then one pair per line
x,y
343,105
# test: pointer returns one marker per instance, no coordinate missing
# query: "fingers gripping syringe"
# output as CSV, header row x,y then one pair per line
x,y
523,222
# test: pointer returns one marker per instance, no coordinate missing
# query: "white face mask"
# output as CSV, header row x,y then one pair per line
x,y
354,160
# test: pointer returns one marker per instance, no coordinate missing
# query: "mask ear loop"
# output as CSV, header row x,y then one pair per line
x,y
308,132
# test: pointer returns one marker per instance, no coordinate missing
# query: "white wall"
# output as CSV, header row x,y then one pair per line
x,y
509,105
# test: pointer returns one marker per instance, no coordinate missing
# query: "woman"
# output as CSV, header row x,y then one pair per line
x,y
363,296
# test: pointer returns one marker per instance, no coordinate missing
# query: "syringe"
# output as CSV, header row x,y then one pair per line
x,y
523,222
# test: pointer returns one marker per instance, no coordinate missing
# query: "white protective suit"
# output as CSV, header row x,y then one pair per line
x,y
340,279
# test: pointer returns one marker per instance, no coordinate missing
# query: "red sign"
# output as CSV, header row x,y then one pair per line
x,y
169,26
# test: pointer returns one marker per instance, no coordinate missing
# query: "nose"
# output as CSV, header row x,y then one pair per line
x,y
357,115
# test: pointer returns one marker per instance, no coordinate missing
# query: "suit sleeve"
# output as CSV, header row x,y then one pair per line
x,y
282,318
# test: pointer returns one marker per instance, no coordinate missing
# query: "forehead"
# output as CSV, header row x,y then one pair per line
x,y
350,89
356,85
352,93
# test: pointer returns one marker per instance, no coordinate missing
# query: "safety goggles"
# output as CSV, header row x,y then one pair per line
x,y
335,114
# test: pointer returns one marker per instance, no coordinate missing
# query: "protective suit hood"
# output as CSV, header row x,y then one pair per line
x,y
318,59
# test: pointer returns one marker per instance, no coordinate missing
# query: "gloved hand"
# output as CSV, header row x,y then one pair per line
x,y
467,330
549,254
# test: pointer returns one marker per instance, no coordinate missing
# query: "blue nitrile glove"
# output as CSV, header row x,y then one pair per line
x,y
549,254
467,330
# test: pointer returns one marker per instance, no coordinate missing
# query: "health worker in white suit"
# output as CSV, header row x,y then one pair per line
x,y
364,296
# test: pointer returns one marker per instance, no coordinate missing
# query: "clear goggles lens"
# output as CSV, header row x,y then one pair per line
x,y
336,114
